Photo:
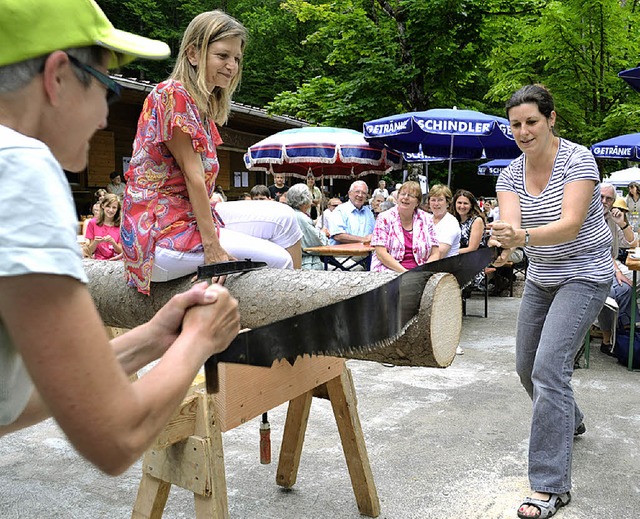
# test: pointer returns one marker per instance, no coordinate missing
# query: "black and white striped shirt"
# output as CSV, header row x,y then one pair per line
x,y
589,255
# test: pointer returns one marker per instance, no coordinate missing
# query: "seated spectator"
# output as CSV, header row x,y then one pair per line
x,y
486,210
299,198
447,228
471,220
103,233
278,187
388,204
323,220
494,214
633,198
376,203
472,228
404,236
95,210
381,190
622,236
393,191
99,195
220,192
260,192
353,221
216,198
116,186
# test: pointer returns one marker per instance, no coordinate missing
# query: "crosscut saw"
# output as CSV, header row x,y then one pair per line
x,y
364,322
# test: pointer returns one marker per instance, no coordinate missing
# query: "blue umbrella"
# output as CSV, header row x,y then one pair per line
x,y
631,76
493,167
626,147
445,133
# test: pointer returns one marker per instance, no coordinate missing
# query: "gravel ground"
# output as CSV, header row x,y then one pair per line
x,y
443,444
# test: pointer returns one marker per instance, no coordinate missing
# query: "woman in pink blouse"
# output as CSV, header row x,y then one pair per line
x,y
404,236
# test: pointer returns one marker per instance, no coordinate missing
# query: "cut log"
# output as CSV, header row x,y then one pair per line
x,y
270,295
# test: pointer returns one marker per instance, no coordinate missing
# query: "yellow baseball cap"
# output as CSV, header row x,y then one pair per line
x,y
33,28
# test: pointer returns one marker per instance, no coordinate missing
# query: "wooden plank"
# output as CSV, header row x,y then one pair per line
x,y
248,391
214,503
181,425
151,499
183,464
343,400
292,439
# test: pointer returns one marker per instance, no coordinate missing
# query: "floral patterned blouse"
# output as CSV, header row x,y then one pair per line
x,y
388,233
156,206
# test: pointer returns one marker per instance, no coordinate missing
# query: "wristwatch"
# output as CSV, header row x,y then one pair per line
x,y
526,237
623,228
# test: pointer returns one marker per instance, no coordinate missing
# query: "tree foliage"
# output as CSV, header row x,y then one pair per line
x,y
576,48
342,62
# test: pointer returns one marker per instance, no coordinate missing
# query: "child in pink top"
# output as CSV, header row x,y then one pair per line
x,y
103,232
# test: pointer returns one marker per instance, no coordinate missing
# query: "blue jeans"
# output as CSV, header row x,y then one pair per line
x,y
552,323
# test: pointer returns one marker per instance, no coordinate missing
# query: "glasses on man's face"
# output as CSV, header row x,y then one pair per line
x,y
113,89
360,193
605,198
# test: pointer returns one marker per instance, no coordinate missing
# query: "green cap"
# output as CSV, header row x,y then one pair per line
x,y
32,28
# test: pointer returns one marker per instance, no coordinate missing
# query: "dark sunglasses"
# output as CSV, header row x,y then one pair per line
x,y
113,89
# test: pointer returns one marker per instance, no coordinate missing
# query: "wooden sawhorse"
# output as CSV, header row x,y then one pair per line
x,y
189,451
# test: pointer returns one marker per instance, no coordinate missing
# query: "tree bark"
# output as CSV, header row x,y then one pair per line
x,y
270,295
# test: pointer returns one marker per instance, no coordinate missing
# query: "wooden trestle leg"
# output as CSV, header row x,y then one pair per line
x,y
189,452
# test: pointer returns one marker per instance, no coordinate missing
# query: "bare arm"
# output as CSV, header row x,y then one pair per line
x,y
575,204
444,249
620,277
351,238
434,254
475,237
111,421
190,163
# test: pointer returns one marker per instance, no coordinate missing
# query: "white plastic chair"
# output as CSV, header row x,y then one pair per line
x,y
610,305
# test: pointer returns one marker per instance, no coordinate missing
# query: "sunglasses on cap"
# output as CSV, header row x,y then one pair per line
x,y
113,89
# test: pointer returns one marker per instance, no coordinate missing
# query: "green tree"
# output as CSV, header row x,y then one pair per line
x,y
576,48
275,58
164,20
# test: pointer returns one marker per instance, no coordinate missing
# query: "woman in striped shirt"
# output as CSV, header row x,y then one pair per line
x,y
550,204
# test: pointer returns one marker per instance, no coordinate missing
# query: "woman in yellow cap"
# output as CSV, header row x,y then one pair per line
x,y
55,357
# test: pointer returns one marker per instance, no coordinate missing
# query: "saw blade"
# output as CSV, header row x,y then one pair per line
x,y
367,321
358,323
465,266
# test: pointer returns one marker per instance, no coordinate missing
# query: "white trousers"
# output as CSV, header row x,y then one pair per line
x,y
260,230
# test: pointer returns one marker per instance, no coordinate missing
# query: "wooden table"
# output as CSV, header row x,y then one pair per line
x,y
634,266
328,253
